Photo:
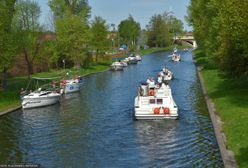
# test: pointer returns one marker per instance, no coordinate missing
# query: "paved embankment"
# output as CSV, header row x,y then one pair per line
x,y
10,110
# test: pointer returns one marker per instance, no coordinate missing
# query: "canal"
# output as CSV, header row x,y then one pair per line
x,y
96,127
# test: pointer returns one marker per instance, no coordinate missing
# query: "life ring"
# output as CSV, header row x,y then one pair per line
x,y
166,110
156,110
151,92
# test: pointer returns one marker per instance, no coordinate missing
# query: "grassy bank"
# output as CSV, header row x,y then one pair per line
x,y
230,97
152,50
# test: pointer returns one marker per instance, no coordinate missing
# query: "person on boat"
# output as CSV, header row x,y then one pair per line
x,y
54,85
160,80
161,73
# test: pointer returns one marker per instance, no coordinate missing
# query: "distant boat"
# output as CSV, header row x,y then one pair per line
x,y
117,66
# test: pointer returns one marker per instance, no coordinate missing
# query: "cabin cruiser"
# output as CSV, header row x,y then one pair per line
x,y
116,66
166,74
124,63
155,102
138,57
176,57
40,98
71,85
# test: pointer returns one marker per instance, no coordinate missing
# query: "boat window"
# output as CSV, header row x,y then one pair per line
x,y
159,101
152,101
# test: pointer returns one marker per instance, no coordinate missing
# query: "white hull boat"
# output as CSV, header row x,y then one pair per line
x,y
40,99
176,58
124,63
116,66
155,103
72,85
132,60
138,57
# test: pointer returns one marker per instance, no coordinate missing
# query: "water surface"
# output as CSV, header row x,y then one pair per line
x,y
96,127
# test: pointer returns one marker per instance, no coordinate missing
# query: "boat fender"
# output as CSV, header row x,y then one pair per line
x,y
166,110
156,110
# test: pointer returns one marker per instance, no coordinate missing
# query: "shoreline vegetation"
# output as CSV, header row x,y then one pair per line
x,y
230,96
10,98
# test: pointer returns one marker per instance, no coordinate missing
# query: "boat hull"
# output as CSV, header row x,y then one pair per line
x,y
116,68
73,87
40,101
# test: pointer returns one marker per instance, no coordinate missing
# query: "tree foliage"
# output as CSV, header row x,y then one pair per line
x,y
221,29
8,45
129,31
72,29
72,38
99,40
158,32
27,24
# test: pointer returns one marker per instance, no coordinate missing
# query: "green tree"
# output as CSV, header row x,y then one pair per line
x,y
29,31
99,30
48,54
73,37
72,29
158,32
175,25
8,47
129,31
220,29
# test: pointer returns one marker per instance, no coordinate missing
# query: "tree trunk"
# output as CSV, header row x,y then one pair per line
x,y
77,64
30,69
4,78
96,56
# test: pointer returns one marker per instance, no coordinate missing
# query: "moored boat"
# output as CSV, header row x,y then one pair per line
x,y
40,98
71,85
116,66
138,57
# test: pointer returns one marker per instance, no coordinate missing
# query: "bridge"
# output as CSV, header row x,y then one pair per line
x,y
187,39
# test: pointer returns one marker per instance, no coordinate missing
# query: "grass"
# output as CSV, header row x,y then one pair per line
x,y
230,97
152,50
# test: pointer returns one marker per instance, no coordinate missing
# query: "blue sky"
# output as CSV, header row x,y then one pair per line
x,y
114,11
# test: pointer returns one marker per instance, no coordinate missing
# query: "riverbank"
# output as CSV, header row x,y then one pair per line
x,y
230,98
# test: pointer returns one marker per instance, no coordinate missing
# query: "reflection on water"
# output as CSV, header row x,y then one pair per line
x,y
95,128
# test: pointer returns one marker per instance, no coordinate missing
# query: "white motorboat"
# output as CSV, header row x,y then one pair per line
x,y
176,57
39,99
138,57
155,103
124,63
71,85
166,74
132,60
116,66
